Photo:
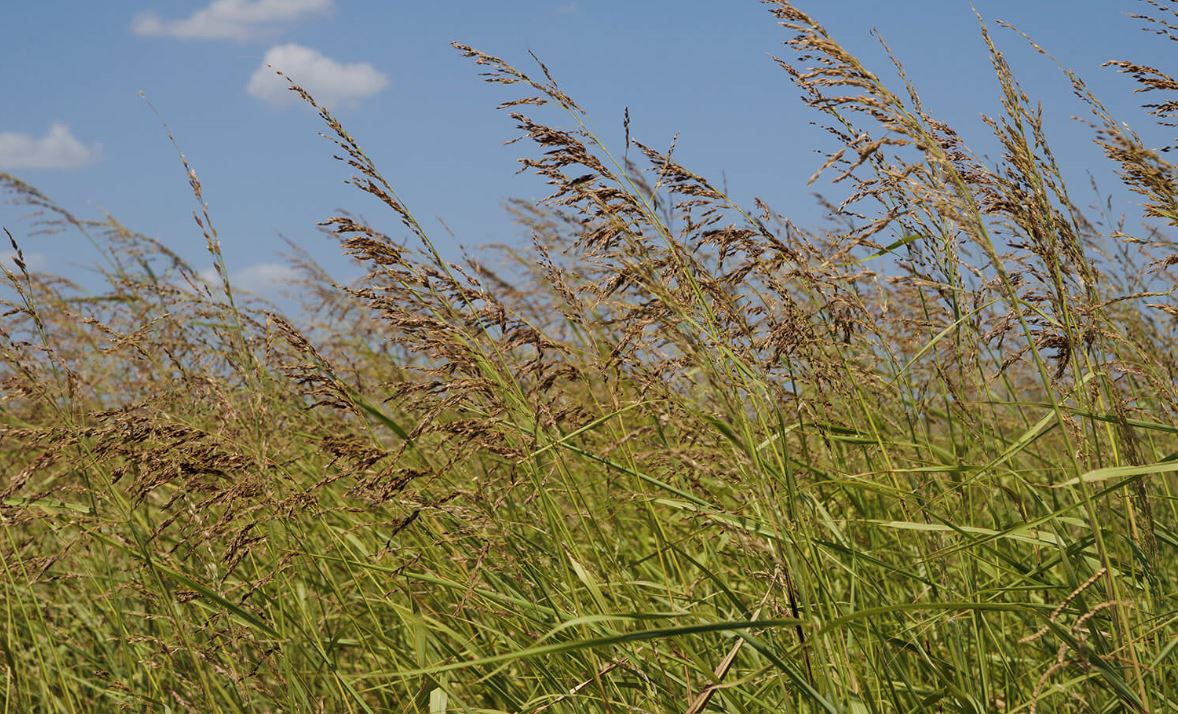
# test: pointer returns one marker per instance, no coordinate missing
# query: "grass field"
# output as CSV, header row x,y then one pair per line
x,y
677,454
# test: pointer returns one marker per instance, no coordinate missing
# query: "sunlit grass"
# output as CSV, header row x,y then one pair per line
x,y
676,455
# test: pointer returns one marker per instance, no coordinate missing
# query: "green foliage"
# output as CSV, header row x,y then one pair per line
x,y
677,455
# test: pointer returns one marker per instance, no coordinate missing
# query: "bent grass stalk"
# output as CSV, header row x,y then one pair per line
x,y
679,454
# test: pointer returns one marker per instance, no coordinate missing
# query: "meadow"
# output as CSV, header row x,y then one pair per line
x,y
674,454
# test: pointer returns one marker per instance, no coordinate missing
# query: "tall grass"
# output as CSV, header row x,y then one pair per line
x,y
678,454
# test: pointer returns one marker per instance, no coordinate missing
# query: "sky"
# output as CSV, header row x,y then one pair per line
x,y
75,123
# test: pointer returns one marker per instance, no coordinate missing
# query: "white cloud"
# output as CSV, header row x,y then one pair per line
x,y
231,19
58,149
34,262
329,81
262,278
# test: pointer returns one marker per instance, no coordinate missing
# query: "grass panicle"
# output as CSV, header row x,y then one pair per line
x,y
669,452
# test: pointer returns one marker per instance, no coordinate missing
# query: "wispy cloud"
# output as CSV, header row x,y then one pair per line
x,y
262,279
231,19
58,149
34,262
329,81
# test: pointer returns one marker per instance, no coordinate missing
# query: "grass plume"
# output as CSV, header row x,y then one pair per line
x,y
676,453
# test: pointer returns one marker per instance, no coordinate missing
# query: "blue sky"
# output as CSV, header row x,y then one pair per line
x,y
72,121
